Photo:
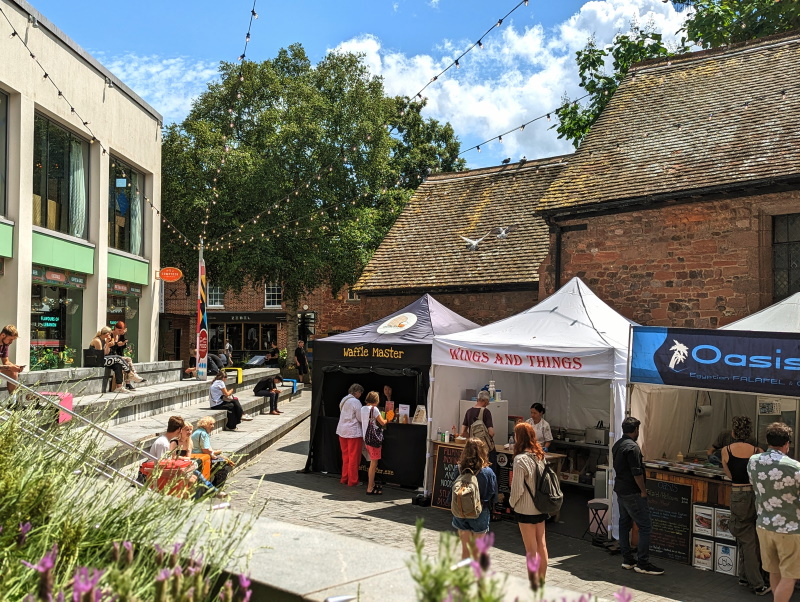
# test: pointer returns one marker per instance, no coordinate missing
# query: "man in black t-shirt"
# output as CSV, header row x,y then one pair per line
x,y
300,362
273,354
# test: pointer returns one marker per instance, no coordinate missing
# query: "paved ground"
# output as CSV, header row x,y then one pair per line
x,y
321,501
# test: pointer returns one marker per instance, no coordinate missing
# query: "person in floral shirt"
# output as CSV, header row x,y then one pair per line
x,y
775,478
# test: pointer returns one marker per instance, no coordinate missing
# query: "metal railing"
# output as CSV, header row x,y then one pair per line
x,y
100,463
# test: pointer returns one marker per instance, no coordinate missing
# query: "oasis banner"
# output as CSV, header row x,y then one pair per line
x,y
732,360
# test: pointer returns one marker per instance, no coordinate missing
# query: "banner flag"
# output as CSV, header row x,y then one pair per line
x,y
202,322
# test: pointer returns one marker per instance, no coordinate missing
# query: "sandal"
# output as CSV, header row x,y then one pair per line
x,y
375,491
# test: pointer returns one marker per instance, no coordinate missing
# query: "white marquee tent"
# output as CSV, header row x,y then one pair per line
x,y
569,352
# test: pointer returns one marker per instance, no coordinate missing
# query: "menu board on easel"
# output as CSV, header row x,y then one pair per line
x,y
671,512
445,471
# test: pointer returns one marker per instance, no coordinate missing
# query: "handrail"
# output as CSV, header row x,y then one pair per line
x,y
5,417
83,419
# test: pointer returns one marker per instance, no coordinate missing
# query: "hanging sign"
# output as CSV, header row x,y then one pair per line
x,y
202,321
730,360
169,274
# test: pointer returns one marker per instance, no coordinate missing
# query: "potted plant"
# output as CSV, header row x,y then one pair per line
x,y
67,356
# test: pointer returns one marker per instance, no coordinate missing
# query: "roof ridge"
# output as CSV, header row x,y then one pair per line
x,y
499,169
777,39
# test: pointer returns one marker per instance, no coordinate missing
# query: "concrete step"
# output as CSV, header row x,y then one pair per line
x,y
251,437
151,399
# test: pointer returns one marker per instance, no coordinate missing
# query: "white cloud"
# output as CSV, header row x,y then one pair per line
x,y
169,85
518,75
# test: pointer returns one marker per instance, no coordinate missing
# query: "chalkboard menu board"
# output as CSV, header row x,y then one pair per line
x,y
445,471
670,510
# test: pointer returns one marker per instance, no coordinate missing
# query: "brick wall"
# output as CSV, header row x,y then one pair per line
x,y
481,308
697,265
333,313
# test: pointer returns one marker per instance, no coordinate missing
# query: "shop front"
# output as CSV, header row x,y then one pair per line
x,y
688,384
248,332
123,305
56,317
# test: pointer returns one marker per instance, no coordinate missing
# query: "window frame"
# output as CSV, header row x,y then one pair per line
x,y
114,163
4,101
219,294
270,295
787,244
353,296
51,123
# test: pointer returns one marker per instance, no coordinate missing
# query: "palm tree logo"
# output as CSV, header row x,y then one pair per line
x,y
679,354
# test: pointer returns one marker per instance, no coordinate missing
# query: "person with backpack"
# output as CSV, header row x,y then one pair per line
x,y
478,424
529,468
371,420
473,495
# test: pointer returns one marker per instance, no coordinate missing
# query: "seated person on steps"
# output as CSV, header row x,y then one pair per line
x,y
268,387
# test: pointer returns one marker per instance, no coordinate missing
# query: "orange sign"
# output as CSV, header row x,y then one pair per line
x,y
170,274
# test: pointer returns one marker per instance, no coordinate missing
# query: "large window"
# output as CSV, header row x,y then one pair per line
x,y
273,295
216,296
786,255
60,179
3,150
125,219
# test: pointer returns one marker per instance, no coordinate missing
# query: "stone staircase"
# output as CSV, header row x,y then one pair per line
x,y
140,417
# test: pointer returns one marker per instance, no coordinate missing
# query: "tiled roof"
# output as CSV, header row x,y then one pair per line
x,y
423,251
699,123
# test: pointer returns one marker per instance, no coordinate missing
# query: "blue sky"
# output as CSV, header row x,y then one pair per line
x,y
168,51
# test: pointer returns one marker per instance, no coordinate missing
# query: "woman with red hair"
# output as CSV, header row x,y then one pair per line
x,y
528,468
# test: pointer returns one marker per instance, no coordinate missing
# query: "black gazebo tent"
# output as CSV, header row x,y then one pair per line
x,y
394,351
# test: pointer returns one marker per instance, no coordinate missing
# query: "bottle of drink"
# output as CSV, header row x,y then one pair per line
x,y
491,390
438,433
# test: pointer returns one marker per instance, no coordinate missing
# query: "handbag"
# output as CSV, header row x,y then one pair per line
x,y
374,436
93,358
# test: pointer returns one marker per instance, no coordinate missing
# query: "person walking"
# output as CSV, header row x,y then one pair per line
x,y
8,335
735,457
350,434
775,478
528,466
475,458
301,362
631,493
370,413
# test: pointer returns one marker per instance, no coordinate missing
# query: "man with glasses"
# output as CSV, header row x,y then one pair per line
x,y
775,478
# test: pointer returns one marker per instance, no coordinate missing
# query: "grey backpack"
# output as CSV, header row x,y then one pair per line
x,y
479,430
465,501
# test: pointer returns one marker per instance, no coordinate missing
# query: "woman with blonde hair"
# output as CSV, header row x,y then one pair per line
x,y
528,467
104,341
201,444
475,458
371,414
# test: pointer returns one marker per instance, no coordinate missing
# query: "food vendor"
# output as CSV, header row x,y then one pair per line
x,y
543,433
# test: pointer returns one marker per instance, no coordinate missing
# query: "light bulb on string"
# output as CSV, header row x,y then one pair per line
x,y
499,22
254,13
480,43
479,148
247,37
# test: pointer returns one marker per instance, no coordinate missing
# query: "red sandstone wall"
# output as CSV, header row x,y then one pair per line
x,y
696,265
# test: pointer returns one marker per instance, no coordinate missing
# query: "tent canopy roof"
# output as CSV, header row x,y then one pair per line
x,y
783,316
430,318
571,322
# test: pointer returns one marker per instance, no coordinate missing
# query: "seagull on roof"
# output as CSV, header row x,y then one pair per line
x,y
523,161
472,245
506,161
503,231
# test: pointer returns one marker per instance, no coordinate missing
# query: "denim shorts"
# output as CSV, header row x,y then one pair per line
x,y
476,525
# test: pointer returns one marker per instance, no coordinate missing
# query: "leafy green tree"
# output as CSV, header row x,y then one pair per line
x,y
310,151
709,24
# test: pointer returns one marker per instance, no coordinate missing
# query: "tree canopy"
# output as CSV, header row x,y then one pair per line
x,y
302,169
709,24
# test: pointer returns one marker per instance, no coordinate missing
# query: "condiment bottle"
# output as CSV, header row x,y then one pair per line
x,y
680,456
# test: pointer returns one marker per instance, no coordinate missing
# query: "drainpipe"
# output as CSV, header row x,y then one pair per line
x,y
556,229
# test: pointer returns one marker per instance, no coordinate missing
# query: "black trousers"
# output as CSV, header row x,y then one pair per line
x,y
235,412
273,399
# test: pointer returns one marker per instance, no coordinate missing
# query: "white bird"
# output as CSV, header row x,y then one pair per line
x,y
472,245
503,232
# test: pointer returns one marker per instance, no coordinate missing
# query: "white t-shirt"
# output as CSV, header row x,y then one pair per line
x,y
365,416
217,391
349,426
543,432
160,446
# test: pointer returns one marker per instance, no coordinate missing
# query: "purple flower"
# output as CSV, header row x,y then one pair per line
x,y
534,562
177,571
47,562
115,552
159,554
176,550
85,582
623,595
128,552
244,582
484,543
24,529
164,575
476,568
585,598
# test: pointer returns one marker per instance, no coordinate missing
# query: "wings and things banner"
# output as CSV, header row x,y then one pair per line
x,y
202,322
731,360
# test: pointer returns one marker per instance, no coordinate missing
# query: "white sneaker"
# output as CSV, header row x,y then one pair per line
x,y
246,417
136,378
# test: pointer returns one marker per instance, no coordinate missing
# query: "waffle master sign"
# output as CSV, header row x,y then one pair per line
x,y
730,360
